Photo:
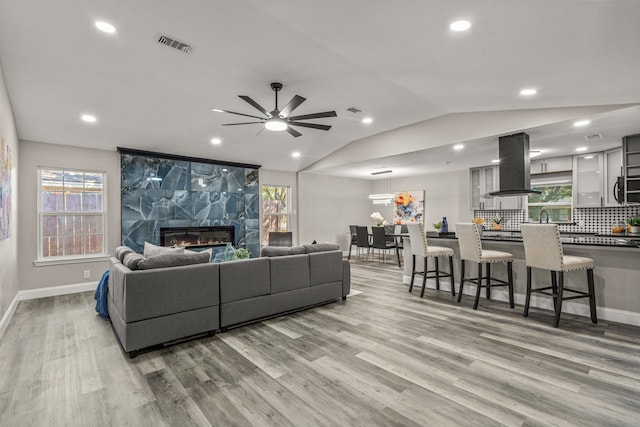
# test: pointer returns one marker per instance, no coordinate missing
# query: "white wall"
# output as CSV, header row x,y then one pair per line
x,y
33,155
446,194
328,205
9,247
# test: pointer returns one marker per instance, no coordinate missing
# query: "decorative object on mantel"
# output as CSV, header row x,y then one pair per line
x,y
229,252
409,207
634,225
242,253
379,219
497,222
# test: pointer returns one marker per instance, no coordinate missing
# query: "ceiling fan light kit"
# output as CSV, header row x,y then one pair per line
x,y
280,120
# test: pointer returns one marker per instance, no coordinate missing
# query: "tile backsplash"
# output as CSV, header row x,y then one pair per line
x,y
587,220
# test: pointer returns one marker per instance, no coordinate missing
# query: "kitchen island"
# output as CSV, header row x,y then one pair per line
x,y
617,272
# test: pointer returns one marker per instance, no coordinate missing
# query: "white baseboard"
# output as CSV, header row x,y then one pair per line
x,y
8,315
604,313
57,290
42,293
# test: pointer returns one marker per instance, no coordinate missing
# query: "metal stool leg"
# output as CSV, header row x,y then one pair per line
x,y
424,278
527,300
413,271
461,279
437,273
592,296
510,279
453,282
475,304
556,320
488,281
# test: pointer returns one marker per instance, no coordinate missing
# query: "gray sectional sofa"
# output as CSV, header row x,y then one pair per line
x,y
164,303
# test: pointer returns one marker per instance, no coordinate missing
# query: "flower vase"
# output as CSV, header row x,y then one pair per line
x,y
229,252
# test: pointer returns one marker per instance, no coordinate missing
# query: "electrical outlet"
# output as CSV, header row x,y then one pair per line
x,y
87,274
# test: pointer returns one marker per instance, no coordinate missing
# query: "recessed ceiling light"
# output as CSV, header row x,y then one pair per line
x,y
367,120
295,154
534,153
460,25
495,161
582,149
588,157
581,123
88,118
458,147
217,110
528,92
105,27
216,141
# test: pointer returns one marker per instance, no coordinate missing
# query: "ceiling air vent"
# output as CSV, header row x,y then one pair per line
x,y
354,110
173,43
594,136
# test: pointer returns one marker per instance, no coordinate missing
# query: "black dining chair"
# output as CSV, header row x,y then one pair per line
x,y
353,240
362,240
381,243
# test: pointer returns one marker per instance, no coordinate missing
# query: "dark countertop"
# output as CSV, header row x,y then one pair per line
x,y
587,239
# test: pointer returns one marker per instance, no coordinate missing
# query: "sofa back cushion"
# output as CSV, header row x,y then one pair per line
x,y
121,251
244,279
325,267
173,260
321,247
272,251
132,259
289,273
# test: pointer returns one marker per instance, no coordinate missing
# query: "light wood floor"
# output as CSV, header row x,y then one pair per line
x,y
382,358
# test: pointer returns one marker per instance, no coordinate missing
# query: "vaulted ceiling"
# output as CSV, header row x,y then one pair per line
x,y
398,62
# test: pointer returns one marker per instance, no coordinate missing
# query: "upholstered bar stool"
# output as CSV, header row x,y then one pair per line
x,y
543,249
419,247
471,250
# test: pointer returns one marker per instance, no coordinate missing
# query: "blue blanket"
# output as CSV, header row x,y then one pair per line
x,y
101,296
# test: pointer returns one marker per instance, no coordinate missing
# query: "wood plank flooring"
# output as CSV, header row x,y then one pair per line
x,y
382,358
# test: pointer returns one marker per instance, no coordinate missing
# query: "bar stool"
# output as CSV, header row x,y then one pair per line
x,y
420,247
471,250
543,249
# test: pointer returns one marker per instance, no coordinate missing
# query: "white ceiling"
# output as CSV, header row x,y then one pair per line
x,y
397,61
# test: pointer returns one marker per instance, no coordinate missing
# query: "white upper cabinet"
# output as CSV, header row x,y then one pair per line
x,y
486,180
588,180
554,164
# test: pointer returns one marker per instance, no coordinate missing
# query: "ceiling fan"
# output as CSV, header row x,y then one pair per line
x,y
279,120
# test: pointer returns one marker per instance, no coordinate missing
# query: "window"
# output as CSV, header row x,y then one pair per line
x,y
276,214
555,198
71,213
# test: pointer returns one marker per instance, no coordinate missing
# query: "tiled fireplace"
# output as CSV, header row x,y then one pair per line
x,y
197,237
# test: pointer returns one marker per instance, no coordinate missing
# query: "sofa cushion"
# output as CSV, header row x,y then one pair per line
x,y
244,279
152,250
121,251
321,247
132,260
271,251
172,260
289,273
297,250
325,267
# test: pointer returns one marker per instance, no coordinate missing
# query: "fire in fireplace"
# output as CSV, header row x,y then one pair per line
x,y
190,237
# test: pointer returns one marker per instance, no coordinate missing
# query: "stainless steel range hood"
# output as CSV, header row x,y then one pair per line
x,y
515,166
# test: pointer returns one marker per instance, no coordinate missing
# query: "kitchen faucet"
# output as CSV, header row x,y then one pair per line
x,y
546,216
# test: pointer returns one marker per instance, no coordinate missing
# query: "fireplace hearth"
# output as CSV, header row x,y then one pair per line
x,y
197,237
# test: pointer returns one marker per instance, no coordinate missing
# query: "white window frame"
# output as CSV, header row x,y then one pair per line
x,y
266,215
66,259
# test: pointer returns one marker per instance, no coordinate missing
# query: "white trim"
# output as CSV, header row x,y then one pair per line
x,y
56,290
8,315
604,313
70,260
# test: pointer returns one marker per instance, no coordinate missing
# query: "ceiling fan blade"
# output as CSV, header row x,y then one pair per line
x,y
310,125
239,114
255,105
244,123
293,131
314,116
292,105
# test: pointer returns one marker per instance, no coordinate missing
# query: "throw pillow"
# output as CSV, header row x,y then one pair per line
x,y
173,260
132,260
151,250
